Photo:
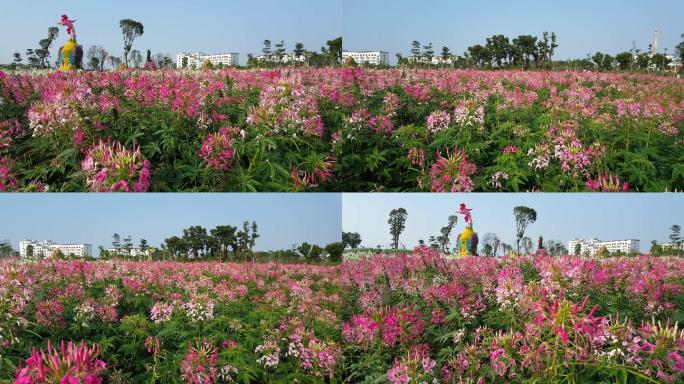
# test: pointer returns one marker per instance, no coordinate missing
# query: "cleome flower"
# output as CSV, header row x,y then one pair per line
x,y
108,167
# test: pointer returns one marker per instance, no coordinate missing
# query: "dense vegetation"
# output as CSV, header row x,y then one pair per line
x,y
340,130
400,319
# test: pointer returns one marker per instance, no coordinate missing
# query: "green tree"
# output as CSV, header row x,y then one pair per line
x,y
624,60
127,245
298,49
266,50
524,216
225,238
144,246
335,50
415,49
680,48
177,247
136,58
43,53
116,243
479,55
491,243
523,48
578,249
397,220
500,49
446,53
351,239
280,51
17,58
130,29
445,232
675,237
334,251
196,239
428,53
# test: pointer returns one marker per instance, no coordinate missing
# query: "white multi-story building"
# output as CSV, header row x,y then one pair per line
x,y
367,57
31,249
284,59
195,60
133,252
676,246
590,247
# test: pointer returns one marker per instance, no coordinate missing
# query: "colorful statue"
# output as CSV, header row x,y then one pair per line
x,y
71,53
466,243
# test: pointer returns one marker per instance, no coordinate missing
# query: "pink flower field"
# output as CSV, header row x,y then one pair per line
x,y
340,129
409,318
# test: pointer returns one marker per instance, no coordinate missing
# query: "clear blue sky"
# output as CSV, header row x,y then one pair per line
x,y
171,26
562,217
582,26
283,219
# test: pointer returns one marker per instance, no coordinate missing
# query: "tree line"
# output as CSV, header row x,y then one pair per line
x,y
222,243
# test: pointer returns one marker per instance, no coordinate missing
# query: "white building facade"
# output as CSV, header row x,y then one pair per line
x,y
195,60
590,247
133,252
34,250
284,59
367,57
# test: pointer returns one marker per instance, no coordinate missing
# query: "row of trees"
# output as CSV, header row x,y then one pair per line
x,y
223,243
524,51
276,55
491,243
96,56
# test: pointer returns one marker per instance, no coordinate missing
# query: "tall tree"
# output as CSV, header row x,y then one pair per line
x,y
225,238
144,246
524,47
130,29
500,48
351,239
524,216
96,57
43,53
280,50
196,239
491,244
127,245
415,49
446,53
680,48
266,50
675,236
526,244
445,233
397,221
136,58
17,58
335,50
298,49
428,53
116,242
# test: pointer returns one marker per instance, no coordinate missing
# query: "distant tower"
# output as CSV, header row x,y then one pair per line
x,y
654,46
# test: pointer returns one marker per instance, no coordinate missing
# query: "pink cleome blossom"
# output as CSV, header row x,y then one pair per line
x,y
71,364
109,167
217,149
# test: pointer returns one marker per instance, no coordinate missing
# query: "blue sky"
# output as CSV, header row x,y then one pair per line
x,y
172,26
582,26
283,219
606,216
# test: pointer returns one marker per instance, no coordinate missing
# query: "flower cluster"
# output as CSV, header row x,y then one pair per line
x,y
217,150
199,363
109,167
607,183
452,173
70,364
438,121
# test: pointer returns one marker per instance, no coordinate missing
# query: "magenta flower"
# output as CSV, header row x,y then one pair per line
x,y
71,364
109,167
217,149
452,173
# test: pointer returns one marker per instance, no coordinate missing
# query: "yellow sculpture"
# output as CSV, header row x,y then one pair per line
x,y
71,53
466,243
